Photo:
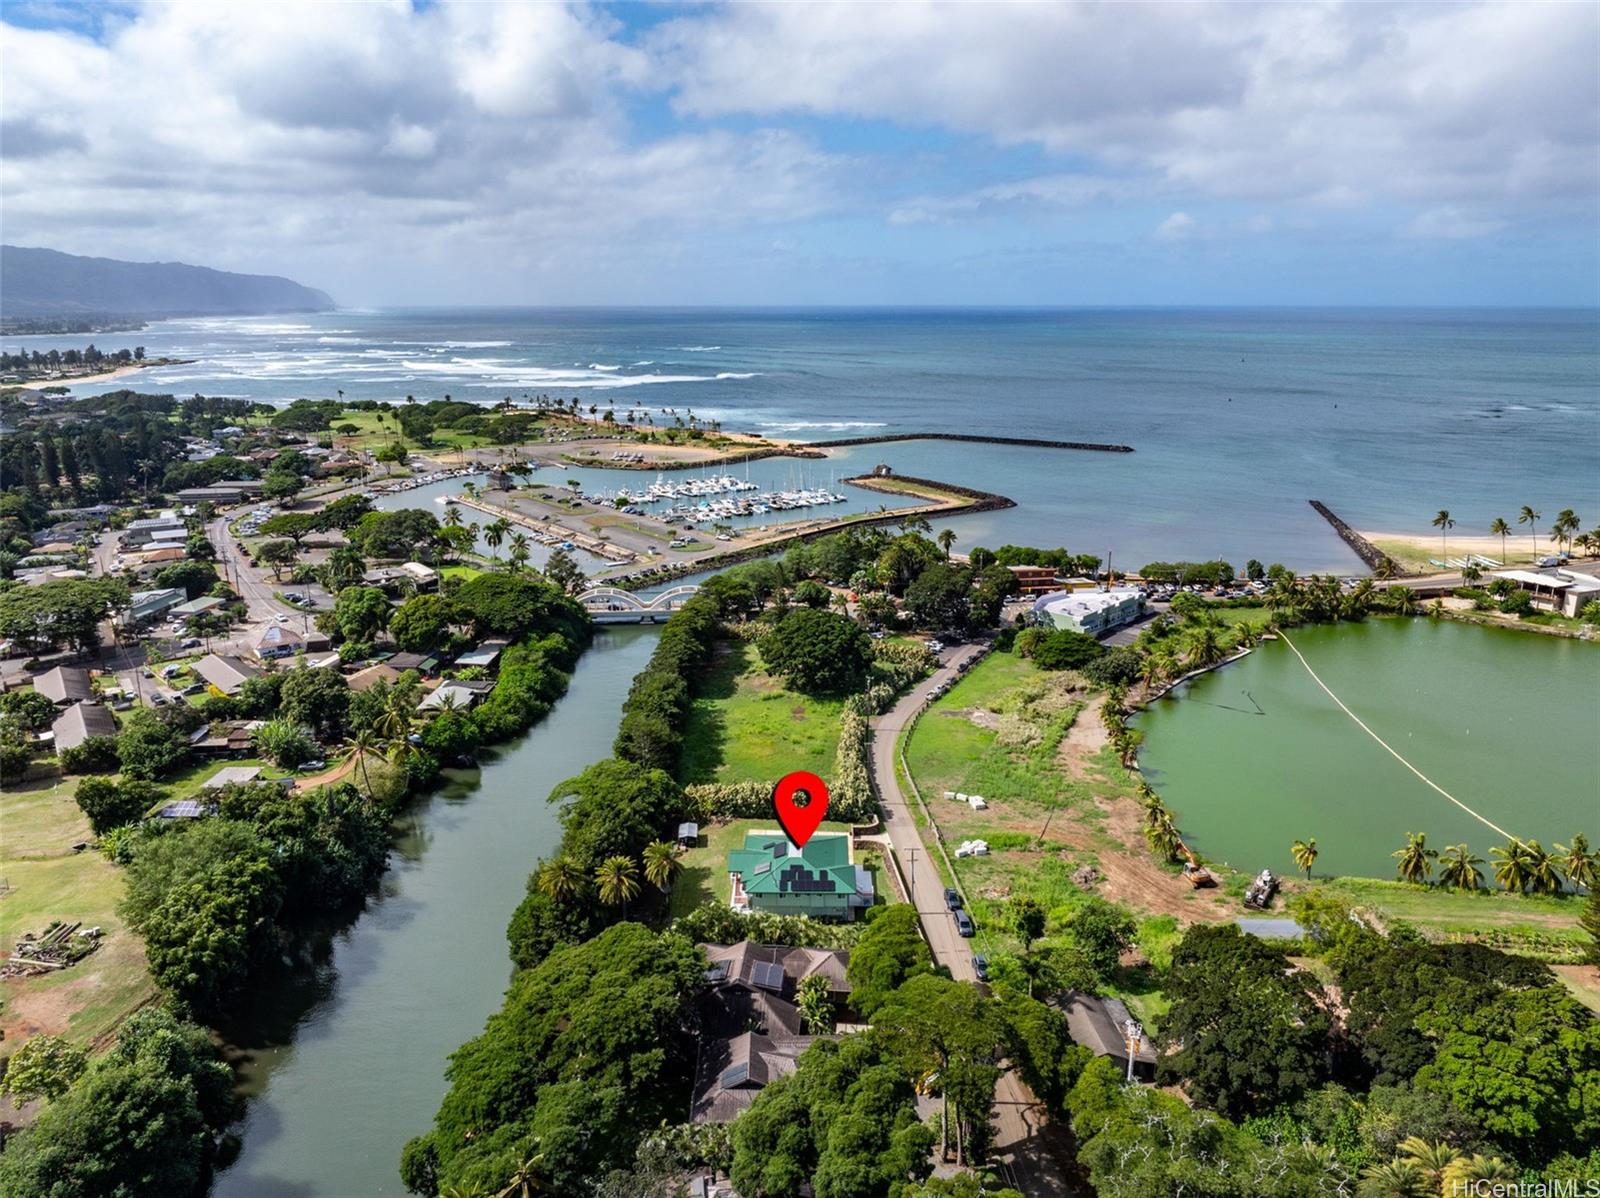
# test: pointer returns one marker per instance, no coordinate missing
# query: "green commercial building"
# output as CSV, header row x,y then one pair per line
x,y
819,880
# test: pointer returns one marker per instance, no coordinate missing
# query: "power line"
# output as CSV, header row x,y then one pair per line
x,y
1488,823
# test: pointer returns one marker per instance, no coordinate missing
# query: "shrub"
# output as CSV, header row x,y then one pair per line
x,y
109,805
96,755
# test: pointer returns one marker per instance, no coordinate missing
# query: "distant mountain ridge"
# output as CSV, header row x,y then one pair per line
x,y
47,283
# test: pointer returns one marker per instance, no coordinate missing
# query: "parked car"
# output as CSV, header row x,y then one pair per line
x,y
980,966
197,688
964,924
952,898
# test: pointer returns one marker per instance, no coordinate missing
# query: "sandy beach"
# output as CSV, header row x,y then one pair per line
x,y
1417,550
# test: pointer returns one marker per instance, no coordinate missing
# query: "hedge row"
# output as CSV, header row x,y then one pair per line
x,y
850,798
657,706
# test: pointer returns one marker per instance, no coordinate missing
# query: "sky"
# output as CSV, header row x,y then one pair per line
x,y
444,153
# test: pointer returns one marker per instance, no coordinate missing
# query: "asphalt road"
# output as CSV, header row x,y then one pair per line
x,y
1019,1116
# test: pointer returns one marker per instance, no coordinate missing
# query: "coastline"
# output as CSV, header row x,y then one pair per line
x,y
104,376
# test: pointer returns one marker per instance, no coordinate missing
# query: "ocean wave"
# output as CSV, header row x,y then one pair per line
x,y
729,374
458,344
649,363
699,349
598,366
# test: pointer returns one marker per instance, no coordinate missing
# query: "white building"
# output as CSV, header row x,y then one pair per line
x,y
1559,590
1093,612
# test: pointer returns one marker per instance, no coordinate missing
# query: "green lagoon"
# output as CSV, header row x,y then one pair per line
x,y
1256,755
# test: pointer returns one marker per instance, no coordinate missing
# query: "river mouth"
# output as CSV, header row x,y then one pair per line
x,y
342,1060
1256,755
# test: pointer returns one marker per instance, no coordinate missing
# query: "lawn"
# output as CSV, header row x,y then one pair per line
x,y
1538,924
47,881
705,867
185,783
464,573
746,726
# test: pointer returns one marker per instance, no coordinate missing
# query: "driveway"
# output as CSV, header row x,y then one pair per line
x,y
1019,1116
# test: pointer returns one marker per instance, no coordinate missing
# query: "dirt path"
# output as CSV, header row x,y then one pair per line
x,y
1129,873
337,774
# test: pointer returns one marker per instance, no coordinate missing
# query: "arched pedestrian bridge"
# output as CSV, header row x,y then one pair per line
x,y
613,605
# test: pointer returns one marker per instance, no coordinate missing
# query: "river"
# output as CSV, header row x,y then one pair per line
x,y
345,1063
1255,755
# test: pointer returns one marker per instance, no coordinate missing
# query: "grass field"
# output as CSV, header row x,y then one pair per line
x,y
47,881
705,867
464,573
1509,921
746,726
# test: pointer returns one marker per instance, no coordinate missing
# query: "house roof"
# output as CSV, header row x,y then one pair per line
x,y
770,864
485,654
227,674
64,684
413,661
753,964
451,694
276,636
365,679
1097,1023
195,606
81,721
229,775
732,1071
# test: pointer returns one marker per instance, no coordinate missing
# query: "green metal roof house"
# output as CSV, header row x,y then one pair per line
x,y
820,880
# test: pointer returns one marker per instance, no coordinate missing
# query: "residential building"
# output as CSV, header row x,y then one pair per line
x,y
144,606
366,679
484,655
64,685
422,663
770,873
230,491
226,674
1100,1024
197,607
751,1026
241,775
229,738
1092,612
457,696
1034,580
79,722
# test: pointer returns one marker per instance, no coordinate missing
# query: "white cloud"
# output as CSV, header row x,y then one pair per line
x,y
1452,224
1180,226
1318,102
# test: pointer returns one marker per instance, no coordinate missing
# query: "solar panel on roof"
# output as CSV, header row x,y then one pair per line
x,y
767,976
735,1075
764,868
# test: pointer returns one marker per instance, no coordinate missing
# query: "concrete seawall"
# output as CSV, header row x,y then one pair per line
x,y
1369,553
1094,446
814,449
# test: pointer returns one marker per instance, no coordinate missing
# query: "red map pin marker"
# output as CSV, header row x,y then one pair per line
x,y
800,800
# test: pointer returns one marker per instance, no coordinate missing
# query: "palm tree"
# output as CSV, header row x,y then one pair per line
x,y
360,744
1444,524
1162,837
1416,859
452,516
1431,1159
1397,1179
1204,647
1578,861
494,533
519,551
946,538
1511,867
661,863
395,722
1531,518
815,1003
1471,574
1499,528
617,879
1566,523
527,1179
1403,600
1305,855
1461,1173
1459,868
561,878
1544,870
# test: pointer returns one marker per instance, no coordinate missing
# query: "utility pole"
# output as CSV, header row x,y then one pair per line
x,y
911,875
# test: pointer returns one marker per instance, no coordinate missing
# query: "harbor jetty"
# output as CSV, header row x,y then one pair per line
x,y
1032,442
1376,559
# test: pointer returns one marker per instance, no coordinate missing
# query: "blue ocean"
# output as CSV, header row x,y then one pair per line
x,y
1237,417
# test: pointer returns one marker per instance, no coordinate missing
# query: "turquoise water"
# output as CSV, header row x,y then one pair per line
x,y
1238,417
1255,755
